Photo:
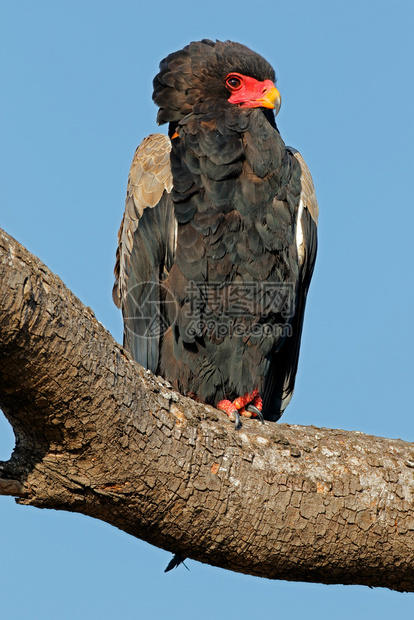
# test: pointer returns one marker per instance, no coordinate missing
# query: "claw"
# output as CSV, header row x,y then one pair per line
x,y
238,424
253,409
250,402
228,407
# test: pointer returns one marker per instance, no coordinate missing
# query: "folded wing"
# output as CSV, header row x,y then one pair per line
x,y
146,247
281,376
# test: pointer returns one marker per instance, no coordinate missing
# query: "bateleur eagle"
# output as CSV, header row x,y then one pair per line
x,y
218,241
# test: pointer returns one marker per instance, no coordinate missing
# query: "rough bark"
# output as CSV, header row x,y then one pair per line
x,y
97,434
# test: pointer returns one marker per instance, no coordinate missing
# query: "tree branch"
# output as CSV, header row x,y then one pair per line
x,y
98,434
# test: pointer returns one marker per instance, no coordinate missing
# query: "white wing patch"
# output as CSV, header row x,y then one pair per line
x,y
299,233
307,201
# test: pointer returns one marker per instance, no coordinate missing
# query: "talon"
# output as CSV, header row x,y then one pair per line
x,y
231,410
253,409
250,403
238,424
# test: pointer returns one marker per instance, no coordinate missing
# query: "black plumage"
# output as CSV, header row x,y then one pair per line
x,y
221,260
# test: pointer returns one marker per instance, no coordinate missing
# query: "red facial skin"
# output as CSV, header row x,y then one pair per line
x,y
247,92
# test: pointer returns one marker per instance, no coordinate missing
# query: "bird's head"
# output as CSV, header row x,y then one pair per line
x,y
224,72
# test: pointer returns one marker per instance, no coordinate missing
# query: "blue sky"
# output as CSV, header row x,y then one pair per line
x,y
76,101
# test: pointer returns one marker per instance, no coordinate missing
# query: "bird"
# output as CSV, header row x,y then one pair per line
x,y
218,240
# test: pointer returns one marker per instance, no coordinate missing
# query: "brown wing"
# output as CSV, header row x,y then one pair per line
x,y
283,365
146,246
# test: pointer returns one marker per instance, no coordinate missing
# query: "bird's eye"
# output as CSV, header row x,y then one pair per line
x,y
233,82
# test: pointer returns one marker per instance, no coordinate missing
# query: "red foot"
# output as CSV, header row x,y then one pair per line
x,y
227,406
240,403
257,402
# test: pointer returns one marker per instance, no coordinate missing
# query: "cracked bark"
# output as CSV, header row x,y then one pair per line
x,y
98,434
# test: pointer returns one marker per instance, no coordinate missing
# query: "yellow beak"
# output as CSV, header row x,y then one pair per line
x,y
271,99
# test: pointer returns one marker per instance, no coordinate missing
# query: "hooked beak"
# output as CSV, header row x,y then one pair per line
x,y
271,99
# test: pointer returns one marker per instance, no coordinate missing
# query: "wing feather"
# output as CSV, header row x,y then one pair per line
x,y
146,248
284,362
